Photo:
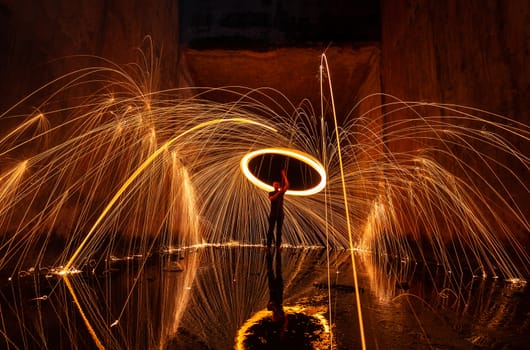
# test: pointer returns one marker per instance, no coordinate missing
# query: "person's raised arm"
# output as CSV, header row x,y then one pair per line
x,y
285,181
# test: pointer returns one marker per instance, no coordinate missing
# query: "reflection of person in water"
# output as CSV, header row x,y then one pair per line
x,y
276,214
276,293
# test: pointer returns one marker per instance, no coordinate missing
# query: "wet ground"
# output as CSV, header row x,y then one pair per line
x,y
233,297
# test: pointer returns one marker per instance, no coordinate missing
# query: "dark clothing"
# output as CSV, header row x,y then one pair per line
x,y
276,204
275,281
275,219
279,319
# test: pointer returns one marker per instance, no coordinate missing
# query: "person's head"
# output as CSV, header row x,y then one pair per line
x,y
276,185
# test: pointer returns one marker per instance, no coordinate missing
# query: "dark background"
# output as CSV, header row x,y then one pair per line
x,y
470,53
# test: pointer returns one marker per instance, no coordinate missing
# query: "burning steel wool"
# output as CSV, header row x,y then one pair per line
x,y
124,174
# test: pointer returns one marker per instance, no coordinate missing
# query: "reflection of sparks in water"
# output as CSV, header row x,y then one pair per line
x,y
135,171
320,338
216,289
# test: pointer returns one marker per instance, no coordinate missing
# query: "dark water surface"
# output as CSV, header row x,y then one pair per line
x,y
220,298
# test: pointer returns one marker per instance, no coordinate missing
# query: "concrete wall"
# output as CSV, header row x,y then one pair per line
x,y
463,52
294,72
471,53
40,39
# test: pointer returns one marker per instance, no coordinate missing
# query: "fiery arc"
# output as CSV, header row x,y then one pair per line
x,y
289,152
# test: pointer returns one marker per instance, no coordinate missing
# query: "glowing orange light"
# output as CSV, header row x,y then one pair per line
x,y
243,332
301,156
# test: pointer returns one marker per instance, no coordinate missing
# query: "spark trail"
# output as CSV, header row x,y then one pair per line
x,y
125,171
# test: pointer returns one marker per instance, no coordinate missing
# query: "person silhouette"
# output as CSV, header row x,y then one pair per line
x,y
275,303
276,213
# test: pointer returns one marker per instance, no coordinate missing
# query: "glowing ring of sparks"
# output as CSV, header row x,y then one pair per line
x,y
243,332
301,156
